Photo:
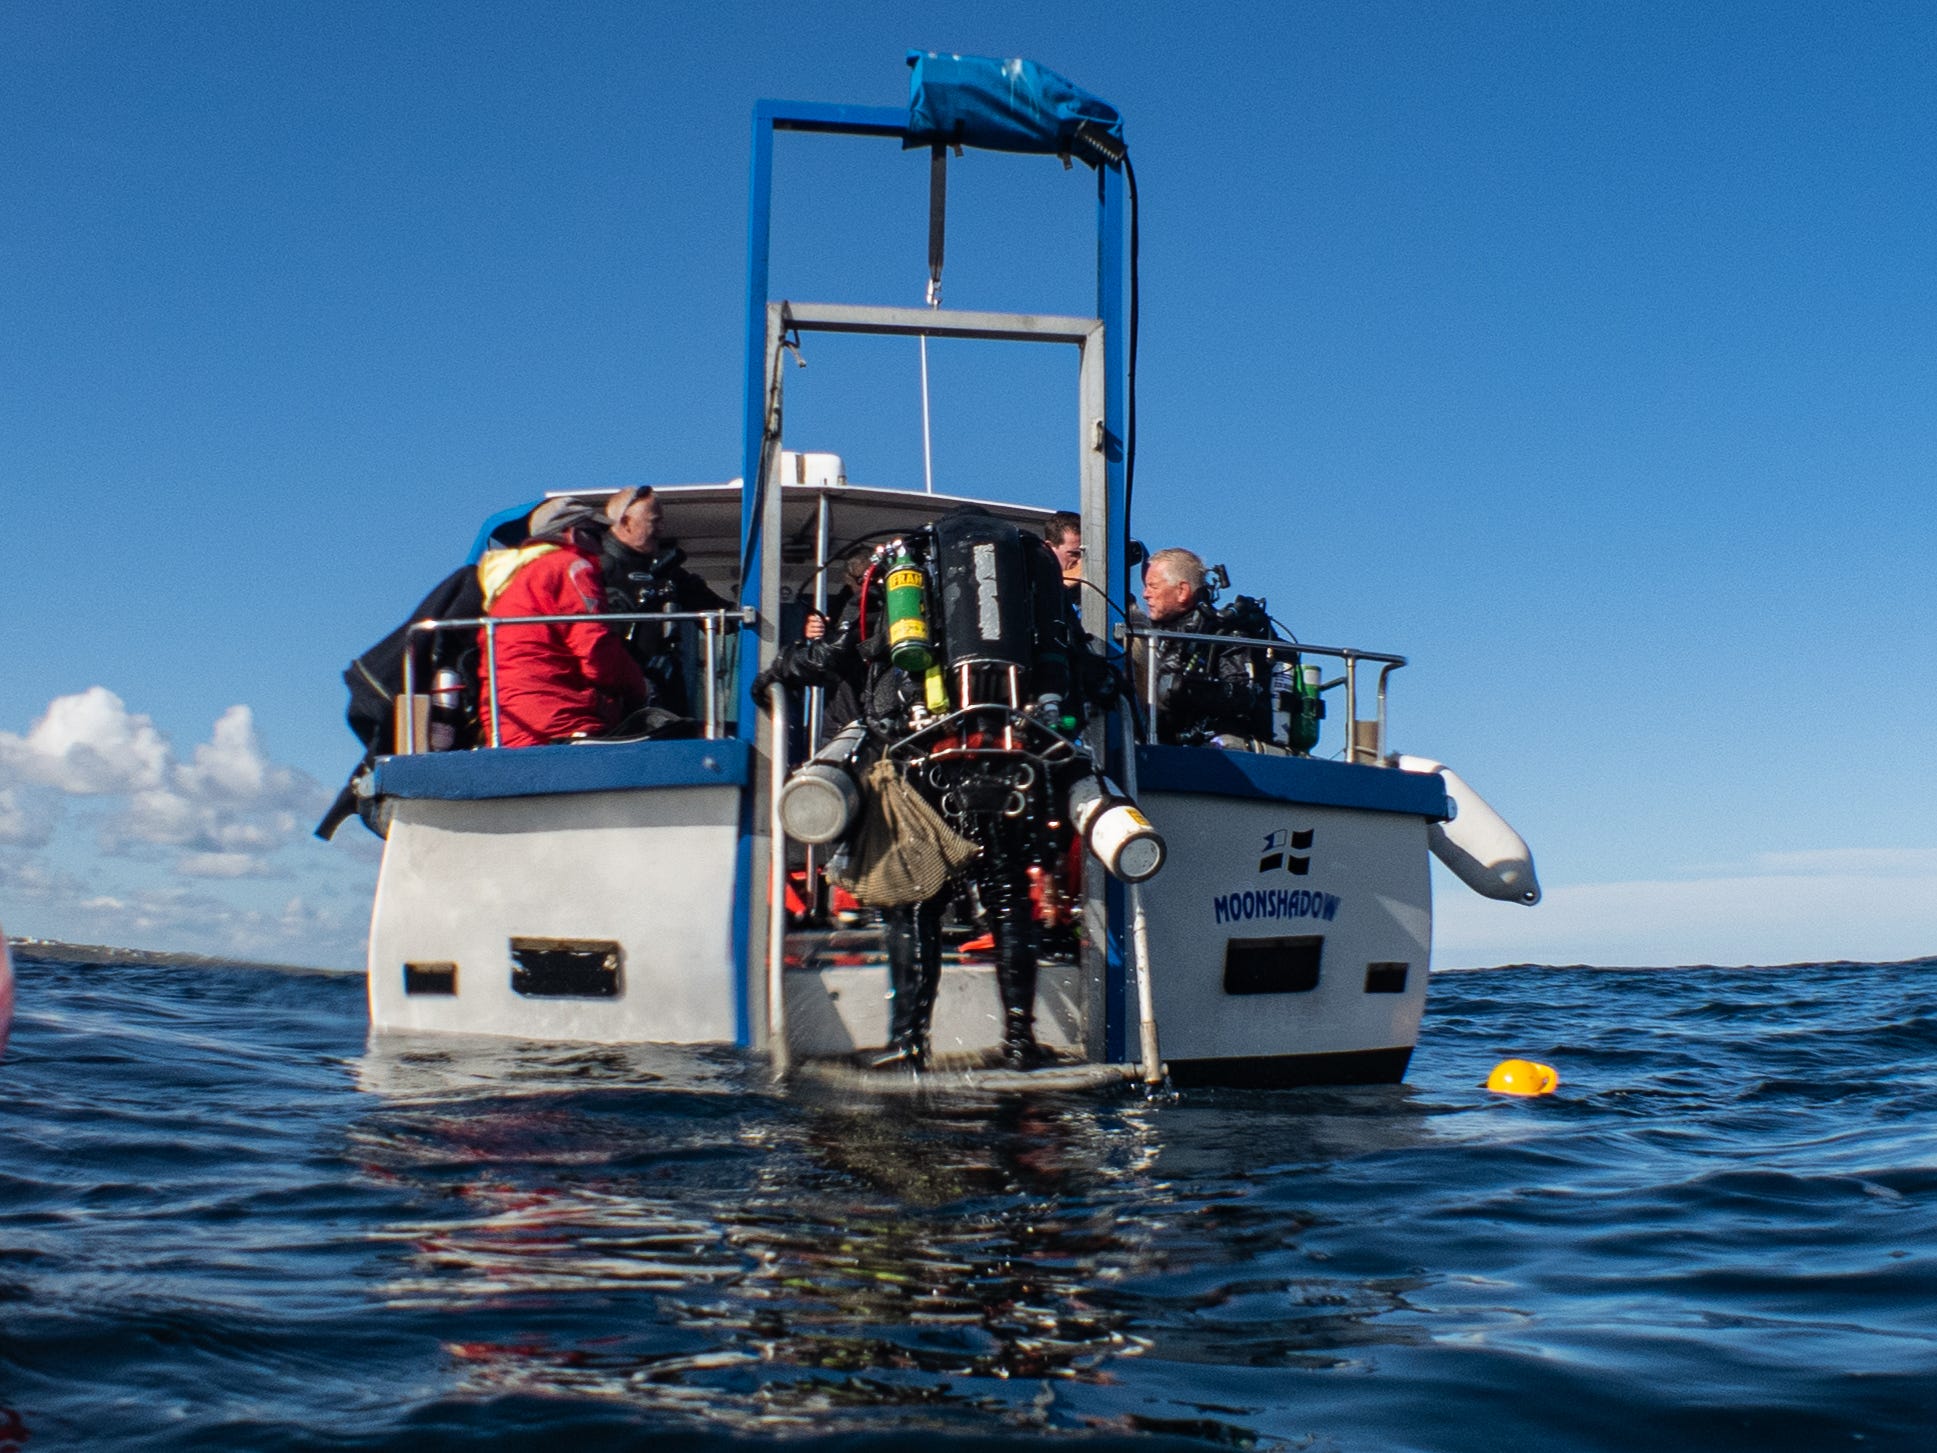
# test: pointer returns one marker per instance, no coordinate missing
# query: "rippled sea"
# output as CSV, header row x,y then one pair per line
x,y
229,1219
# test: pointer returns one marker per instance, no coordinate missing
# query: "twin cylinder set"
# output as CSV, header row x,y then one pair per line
x,y
821,804
1003,619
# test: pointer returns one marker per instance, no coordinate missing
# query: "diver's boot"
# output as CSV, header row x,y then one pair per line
x,y
914,971
909,1053
904,1051
1015,977
907,1047
1020,1051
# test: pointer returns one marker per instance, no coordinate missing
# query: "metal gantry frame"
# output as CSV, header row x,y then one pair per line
x,y
1102,390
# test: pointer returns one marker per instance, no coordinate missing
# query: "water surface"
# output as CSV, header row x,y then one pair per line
x,y
228,1218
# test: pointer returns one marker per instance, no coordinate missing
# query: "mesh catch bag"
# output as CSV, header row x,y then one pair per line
x,y
903,851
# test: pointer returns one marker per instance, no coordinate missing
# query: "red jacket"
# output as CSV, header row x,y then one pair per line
x,y
557,680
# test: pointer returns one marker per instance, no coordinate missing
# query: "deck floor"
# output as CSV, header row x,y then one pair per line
x,y
837,998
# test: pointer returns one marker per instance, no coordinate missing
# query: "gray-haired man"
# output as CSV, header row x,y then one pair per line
x,y
1203,690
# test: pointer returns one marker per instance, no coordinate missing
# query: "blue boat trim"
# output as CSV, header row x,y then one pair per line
x,y
1291,779
548,771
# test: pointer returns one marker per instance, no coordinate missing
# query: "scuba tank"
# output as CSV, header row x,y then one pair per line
x,y
822,801
1304,708
1001,608
1109,825
446,709
910,643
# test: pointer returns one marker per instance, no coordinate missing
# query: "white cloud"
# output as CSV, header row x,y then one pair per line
x,y
26,881
230,763
221,865
170,819
89,745
1865,862
27,820
229,799
225,809
220,819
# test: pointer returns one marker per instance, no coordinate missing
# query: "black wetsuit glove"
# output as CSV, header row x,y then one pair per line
x,y
800,663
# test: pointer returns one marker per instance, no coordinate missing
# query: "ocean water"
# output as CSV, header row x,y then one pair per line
x,y
230,1220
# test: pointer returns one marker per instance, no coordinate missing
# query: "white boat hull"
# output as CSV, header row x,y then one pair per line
x,y
465,883
604,895
1280,964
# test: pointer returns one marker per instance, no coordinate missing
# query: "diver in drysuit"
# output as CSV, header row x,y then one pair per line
x,y
962,646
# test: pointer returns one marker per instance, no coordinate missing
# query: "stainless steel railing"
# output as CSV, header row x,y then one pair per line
x,y
1356,748
711,622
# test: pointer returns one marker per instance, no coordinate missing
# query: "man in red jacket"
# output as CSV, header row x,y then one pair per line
x,y
567,678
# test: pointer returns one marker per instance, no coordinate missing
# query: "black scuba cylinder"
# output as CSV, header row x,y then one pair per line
x,y
988,616
1055,625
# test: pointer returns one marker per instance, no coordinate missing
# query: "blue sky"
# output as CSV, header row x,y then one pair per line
x,y
1581,353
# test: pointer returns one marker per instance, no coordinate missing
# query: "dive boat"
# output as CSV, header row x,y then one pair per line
x,y
647,891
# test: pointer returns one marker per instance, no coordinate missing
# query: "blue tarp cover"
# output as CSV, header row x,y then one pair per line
x,y
1003,105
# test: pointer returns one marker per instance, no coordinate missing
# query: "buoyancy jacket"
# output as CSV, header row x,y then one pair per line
x,y
1203,690
657,583
562,679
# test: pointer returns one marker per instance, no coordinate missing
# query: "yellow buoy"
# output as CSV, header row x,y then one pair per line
x,y
1522,1077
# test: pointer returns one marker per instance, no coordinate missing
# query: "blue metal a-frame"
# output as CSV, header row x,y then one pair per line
x,y
1105,343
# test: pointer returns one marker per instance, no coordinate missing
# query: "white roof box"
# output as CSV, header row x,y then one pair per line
x,y
822,469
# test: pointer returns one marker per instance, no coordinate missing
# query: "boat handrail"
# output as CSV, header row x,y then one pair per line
x,y
1355,749
711,622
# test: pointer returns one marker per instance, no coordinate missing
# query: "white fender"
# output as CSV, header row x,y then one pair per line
x,y
1479,845
6,990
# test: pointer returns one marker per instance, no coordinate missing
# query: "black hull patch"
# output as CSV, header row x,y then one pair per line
x,y
1281,1071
